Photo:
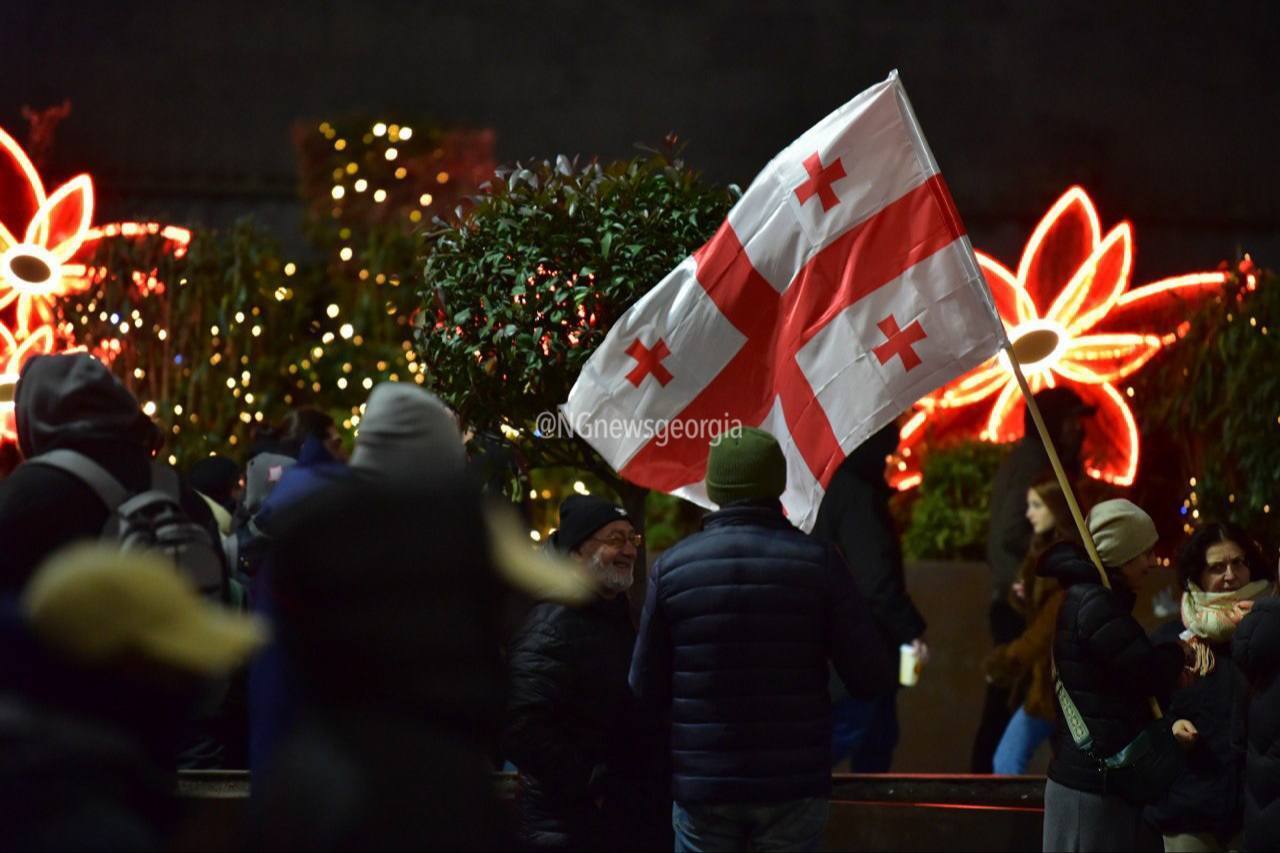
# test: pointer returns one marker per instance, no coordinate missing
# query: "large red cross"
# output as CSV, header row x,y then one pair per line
x,y
649,361
778,325
899,342
820,180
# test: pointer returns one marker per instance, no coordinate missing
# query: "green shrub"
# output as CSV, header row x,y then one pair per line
x,y
1216,395
521,289
951,512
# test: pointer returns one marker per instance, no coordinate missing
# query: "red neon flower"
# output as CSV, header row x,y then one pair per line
x,y
1072,283
44,239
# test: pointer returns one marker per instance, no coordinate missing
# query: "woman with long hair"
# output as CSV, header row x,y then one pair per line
x,y
1024,664
1222,572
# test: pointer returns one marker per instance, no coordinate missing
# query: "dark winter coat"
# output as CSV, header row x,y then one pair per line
x,y
386,614
1256,649
1207,796
574,731
854,517
86,758
272,683
739,623
63,403
1107,664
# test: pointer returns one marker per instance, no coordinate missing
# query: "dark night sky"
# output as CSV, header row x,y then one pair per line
x,y
1169,113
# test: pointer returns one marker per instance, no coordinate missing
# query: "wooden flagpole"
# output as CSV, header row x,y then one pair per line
x,y
1058,471
1064,482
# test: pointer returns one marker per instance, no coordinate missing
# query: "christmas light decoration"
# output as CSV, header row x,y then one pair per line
x,y
46,240
1071,290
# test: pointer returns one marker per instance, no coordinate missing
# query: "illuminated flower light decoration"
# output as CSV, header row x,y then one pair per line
x,y
1071,290
45,243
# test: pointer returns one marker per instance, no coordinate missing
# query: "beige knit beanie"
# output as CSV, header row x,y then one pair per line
x,y
1121,531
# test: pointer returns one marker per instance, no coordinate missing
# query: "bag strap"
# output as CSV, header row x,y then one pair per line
x,y
108,489
1075,720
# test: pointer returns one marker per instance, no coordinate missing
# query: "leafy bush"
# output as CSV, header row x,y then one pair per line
x,y
1222,381
522,288
951,513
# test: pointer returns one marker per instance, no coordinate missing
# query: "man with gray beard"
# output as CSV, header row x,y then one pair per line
x,y
586,757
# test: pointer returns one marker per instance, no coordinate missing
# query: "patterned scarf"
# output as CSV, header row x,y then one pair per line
x,y
1208,614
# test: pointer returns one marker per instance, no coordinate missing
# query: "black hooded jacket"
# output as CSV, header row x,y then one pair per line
x,y
72,401
1107,664
854,517
1256,649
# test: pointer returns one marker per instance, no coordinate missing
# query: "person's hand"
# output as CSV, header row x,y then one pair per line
x,y
921,650
1185,733
1239,610
1019,590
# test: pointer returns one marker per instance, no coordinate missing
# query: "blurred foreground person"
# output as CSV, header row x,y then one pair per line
x,y
90,474
589,778
739,623
408,439
1222,574
1110,756
385,611
1256,648
101,661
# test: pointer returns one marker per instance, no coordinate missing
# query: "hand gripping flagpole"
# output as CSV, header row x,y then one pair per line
x,y
1030,346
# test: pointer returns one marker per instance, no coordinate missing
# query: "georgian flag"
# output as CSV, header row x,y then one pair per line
x,y
840,289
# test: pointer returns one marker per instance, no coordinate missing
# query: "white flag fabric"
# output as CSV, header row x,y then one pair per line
x,y
840,289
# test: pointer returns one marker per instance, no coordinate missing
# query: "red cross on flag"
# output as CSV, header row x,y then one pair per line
x,y
840,289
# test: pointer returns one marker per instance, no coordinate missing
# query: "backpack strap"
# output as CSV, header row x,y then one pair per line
x,y
108,489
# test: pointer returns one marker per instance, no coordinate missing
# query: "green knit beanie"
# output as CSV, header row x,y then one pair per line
x,y
745,463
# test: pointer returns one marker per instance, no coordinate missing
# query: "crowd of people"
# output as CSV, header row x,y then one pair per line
x,y
366,635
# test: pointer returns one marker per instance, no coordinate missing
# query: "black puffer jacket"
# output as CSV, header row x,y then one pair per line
x,y
1207,796
574,732
1256,648
739,623
1107,664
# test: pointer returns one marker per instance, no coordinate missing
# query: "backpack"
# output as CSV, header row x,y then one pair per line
x,y
153,519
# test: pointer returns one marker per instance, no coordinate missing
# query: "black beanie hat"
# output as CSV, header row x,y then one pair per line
x,y
580,517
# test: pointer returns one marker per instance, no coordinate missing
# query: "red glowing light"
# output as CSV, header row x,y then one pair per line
x,y
1073,282
45,243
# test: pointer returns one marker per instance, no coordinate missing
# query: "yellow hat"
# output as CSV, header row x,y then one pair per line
x,y
95,603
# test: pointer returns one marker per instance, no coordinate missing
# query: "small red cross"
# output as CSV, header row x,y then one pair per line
x,y
649,361
820,180
899,342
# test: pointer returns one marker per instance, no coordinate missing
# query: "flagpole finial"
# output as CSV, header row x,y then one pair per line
x,y
1034,346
